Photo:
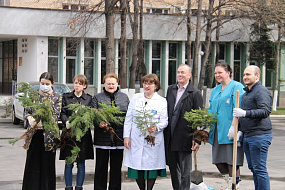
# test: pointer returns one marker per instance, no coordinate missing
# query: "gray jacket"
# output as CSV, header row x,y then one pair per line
x,y
257,102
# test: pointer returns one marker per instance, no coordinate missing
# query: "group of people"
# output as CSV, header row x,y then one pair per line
x,y
254,130
165,136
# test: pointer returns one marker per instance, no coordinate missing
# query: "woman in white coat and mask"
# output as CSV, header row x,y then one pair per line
x,y
144,160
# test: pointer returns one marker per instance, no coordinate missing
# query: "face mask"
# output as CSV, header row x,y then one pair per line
x,y
45,88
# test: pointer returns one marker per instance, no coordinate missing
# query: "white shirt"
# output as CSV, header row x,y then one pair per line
x,y
180,92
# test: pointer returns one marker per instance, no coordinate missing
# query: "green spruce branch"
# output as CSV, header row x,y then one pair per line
x,y
75,152
203,121
41,111
200,118
144,120
84,117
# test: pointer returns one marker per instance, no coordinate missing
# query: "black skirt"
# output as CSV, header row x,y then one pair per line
x,y
40,166
85,145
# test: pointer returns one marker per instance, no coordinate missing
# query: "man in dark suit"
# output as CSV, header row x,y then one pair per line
x,y
181,97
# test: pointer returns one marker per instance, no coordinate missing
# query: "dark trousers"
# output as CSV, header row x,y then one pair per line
x,y
101,169
180,165
40,166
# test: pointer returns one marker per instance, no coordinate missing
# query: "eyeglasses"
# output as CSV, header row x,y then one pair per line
x,y
147,83
111,84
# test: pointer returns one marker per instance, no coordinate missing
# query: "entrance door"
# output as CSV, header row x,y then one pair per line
x,y
8,64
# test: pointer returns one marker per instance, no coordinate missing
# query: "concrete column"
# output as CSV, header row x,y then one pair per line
x,y
165,67
150,57
81,57
116,57
97,76
64,60
183,49
263,74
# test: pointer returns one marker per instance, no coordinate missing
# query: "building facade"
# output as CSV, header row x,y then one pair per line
x,y
33,41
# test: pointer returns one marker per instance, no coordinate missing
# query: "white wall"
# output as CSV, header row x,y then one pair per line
x,y
42,55
39,22
34,54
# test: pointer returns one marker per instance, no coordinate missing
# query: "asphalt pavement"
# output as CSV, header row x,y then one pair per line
x,y
13,162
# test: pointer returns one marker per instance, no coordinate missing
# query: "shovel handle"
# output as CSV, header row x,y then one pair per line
x,y
235,145
195,161
195,157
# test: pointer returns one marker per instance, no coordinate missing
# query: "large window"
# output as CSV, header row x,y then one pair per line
x,y
237,62
71,59
157,11
75,7
89,53
156,58
222,55
53,58
103,60
173,52
8,64
269,76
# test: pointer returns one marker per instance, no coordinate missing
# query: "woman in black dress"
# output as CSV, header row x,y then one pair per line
x,y
40,163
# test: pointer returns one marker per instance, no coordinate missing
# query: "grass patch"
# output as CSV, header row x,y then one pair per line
x,y
279,111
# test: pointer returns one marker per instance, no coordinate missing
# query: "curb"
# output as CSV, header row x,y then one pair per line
x,y
5,120
277,116
90,177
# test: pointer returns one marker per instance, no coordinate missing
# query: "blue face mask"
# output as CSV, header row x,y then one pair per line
x,y
45,88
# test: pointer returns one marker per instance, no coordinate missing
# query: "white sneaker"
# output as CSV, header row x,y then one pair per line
x,y
226,178
230,184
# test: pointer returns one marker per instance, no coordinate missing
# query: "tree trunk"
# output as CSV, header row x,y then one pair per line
x,y
197,44
141,69
219,23
134,25
207,45
123,45
110,44
209,68
188,43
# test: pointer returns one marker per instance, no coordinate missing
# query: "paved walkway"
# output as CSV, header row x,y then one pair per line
x,y
13,161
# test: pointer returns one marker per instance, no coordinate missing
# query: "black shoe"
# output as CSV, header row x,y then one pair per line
x,y
78,188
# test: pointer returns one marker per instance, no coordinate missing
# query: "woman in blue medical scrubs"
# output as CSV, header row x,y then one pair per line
x,y
222,102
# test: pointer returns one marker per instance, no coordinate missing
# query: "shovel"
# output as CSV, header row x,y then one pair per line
x,y
196,175
234,184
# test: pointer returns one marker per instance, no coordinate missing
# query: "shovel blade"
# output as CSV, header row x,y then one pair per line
x,y
196,177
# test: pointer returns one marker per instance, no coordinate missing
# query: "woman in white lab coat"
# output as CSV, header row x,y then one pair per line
x,y
144,160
